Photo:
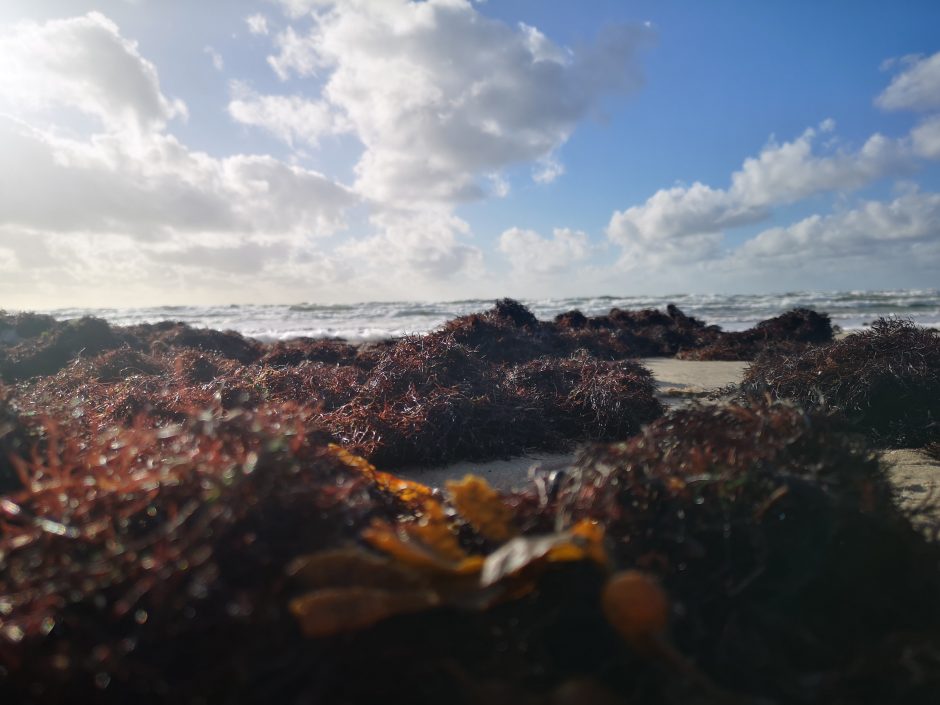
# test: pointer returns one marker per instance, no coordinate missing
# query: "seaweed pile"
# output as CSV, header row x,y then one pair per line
x,y
36,345
420,401
235,558
190,516
885,381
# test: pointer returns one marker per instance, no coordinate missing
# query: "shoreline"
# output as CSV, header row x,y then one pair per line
x,y
914,474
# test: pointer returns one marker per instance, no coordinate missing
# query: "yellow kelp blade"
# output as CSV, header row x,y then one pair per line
x,y
406,490
583,542
482,507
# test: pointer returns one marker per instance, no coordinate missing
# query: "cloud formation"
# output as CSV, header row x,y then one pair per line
x,y
531,254
440,95
124,190
59,65
873,230
443,101
916,87
688,222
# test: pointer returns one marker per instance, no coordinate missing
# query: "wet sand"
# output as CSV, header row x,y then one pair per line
x,y
915,475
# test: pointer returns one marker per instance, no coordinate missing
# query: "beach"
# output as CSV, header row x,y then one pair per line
x,y
914,474
334,516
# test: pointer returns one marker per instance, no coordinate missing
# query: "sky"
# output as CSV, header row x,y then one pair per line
x,y
170,152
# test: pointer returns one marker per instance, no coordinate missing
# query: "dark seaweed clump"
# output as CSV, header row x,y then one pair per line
x,y
147,564
885,381
18,438
792,576
777,534
34,345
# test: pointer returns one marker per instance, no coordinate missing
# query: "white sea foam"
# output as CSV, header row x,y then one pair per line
x,y
377,320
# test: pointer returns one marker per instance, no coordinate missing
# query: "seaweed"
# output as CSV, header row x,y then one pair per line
x,y
778,535
432,399
183,529
149,561
294,352
724,554
885,381
18,437
228,344
57,346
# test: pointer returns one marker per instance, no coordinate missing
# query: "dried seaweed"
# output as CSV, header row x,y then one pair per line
x,y
885,381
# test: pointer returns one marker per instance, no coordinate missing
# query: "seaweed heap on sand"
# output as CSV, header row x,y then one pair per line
x,y
885,381
187,518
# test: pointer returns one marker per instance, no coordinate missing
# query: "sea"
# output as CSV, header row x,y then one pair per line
x,y
375,320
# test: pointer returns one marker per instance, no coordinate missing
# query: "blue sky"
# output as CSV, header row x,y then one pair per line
x,y
311,150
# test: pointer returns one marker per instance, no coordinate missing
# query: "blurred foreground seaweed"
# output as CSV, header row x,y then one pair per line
x,y
724,554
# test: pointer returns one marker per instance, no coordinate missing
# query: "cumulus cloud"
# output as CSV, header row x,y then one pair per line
x,y
547,170
59,64
874,229
916,87
292,119
218,62
257,24
926,138
441,96
412,248
688,221
122,199
443,101
530,253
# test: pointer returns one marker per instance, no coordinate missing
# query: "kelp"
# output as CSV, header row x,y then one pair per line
x,y
724,554
885,381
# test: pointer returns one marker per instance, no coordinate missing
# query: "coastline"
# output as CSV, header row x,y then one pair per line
x,y
914,474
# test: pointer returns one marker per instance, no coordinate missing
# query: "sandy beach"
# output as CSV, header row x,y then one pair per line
x,y
915,475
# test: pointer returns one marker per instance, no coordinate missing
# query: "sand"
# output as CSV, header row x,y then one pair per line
x,y
915,475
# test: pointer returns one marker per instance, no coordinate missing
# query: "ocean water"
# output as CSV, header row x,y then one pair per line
x,y
376,320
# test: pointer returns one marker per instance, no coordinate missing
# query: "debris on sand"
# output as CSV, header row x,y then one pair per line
x,y
724,554
885,381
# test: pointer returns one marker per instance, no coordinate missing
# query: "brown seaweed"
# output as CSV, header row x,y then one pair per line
x,y
209,561
885,381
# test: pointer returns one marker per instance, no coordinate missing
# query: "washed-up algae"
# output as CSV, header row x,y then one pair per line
x,y
186,526
36,345
724,554
885,381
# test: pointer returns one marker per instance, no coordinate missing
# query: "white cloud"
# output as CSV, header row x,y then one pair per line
x,y
872,230
926,138
917,87
257,24
156,186
686,222
441,96
218,63
547,170
295,54
531,254
59,64
412,247
122,201
289,118
443,101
